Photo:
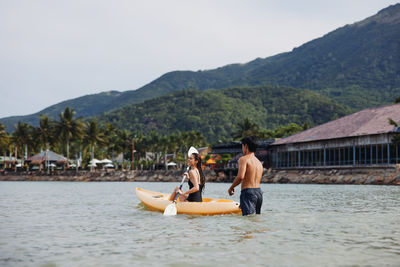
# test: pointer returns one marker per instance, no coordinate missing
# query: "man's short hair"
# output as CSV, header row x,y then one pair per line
x,y
251,143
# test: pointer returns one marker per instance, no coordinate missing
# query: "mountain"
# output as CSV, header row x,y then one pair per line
x,y
84,106
357,65
216,113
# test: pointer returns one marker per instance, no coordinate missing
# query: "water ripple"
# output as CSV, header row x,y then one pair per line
x,y
101,224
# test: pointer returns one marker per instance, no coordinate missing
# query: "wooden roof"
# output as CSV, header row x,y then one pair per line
x,y
370,121
49,156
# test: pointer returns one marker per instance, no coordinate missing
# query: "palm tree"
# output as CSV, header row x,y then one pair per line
x,y
153,143
187,139
198,139
287,130
168,144
22,136
164,148
246,128
4,141
93,136
4,138
124,141
174,142
69,127
44,132
185,143
111,139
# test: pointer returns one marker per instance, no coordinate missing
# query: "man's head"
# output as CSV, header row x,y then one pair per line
x,y
250,142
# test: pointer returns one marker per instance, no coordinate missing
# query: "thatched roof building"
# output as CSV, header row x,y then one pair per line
x,y
47,156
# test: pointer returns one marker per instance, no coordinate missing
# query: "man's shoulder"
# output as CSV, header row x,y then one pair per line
x,y
244,158
249,158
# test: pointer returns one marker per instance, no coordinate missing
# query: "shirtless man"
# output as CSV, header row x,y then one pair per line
x,y
249,175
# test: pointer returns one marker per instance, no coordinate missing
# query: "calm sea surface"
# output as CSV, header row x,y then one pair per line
x,y
103,224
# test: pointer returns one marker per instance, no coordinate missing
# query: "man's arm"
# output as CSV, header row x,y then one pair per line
x,y
239,177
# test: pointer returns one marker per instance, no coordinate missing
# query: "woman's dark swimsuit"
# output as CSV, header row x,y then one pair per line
x,y
196,196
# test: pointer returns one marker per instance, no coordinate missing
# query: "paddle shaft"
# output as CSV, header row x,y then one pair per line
x,y
180,186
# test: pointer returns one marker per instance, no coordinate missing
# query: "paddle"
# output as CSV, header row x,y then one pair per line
x,y
170,210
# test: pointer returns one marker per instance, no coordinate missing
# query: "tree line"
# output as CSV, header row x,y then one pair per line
x,y
78,139
84,140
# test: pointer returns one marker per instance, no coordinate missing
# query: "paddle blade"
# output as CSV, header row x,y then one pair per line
x,y
170,210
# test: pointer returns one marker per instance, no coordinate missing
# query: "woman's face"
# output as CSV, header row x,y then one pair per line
x,y
192,161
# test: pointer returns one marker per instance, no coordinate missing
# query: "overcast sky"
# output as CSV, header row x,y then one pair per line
x,y
56,50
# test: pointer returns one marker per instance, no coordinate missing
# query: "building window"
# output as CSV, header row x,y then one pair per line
x,y
393,154
384,153
374,154
385,156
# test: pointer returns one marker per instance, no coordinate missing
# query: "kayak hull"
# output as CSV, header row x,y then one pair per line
x,y
159,201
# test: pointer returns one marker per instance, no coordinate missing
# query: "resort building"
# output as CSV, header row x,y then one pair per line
x,y
235,148
47,159
362,139
9,163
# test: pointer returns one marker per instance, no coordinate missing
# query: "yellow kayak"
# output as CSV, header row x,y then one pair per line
x,y
209,206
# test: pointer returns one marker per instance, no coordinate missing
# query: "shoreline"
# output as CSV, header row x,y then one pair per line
x,y
373,176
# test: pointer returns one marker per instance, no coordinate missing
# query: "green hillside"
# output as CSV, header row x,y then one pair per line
x,y
358,64
216,113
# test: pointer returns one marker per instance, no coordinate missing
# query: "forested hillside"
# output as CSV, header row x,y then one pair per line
x,y
216,113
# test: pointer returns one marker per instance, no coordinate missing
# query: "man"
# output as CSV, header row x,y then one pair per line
x,y
249,175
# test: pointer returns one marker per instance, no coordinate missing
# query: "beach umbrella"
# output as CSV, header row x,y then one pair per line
x,y
109,165
94,161
211,161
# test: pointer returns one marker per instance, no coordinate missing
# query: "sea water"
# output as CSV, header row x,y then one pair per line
x,y
104,224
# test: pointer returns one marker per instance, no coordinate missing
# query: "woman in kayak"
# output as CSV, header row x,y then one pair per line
x,y
196,181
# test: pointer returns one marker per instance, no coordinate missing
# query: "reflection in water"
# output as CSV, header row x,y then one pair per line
x,y
253,228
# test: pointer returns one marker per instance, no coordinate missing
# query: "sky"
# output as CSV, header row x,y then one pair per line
x,y
55,50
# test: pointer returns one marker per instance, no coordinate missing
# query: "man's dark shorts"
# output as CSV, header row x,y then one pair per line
x,y
251,200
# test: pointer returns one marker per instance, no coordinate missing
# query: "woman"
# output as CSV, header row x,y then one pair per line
x,y
196,181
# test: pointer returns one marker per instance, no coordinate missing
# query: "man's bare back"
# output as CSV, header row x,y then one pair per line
x,y
252,169
249,172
